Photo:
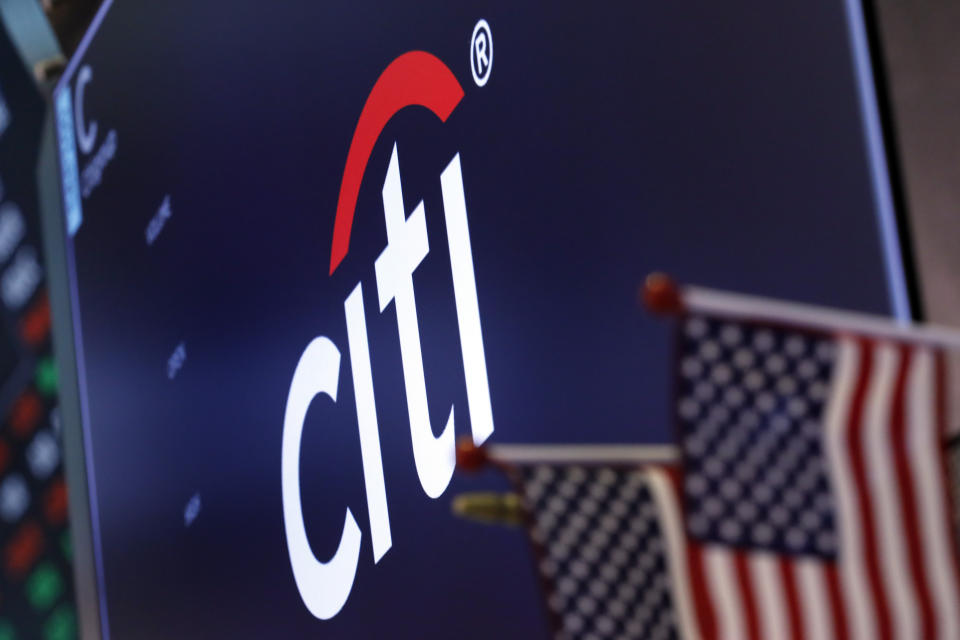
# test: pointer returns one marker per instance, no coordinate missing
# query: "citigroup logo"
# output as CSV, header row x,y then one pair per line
x,y
413,79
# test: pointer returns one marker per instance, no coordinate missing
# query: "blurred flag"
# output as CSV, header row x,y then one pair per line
x,y
603,537
815,481
596,532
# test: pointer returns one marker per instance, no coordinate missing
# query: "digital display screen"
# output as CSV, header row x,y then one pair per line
x,y
310,243
36,583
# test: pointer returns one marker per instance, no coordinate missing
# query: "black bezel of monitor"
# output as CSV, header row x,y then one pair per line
x,y
881,80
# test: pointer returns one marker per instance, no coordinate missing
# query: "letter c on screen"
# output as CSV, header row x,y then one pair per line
x,y
324,586
86,136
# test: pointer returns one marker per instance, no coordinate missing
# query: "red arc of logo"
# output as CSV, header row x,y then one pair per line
x,y
416,78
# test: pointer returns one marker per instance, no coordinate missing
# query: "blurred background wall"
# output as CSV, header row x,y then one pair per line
x,y
921,39
921,43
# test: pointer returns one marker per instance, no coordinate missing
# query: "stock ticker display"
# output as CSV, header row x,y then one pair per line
x,y
36,584
310,243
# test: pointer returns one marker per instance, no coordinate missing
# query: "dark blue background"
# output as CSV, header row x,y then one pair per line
x,y
720,142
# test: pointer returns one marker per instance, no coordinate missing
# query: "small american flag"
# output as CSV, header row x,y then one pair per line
x,y
603,536
815,485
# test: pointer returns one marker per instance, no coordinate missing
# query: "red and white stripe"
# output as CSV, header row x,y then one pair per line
x,y
897,559
895,577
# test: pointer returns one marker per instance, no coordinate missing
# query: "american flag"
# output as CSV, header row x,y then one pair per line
x,y
815,483
810,500
607,539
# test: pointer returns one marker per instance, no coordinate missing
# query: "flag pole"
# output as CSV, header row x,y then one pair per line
x,y
506,456
663,296
586,454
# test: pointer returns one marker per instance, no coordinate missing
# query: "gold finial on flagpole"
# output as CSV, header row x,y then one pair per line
x,y
490,508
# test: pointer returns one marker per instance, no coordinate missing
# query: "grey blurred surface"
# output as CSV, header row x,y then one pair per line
x,y
921,44
921,41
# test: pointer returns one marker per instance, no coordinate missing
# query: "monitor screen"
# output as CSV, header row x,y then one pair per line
x,y
310,244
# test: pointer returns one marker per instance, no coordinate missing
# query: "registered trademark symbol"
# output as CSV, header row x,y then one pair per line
x,y
481,52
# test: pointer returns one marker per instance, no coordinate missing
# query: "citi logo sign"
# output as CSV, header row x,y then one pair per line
x,y
414,79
